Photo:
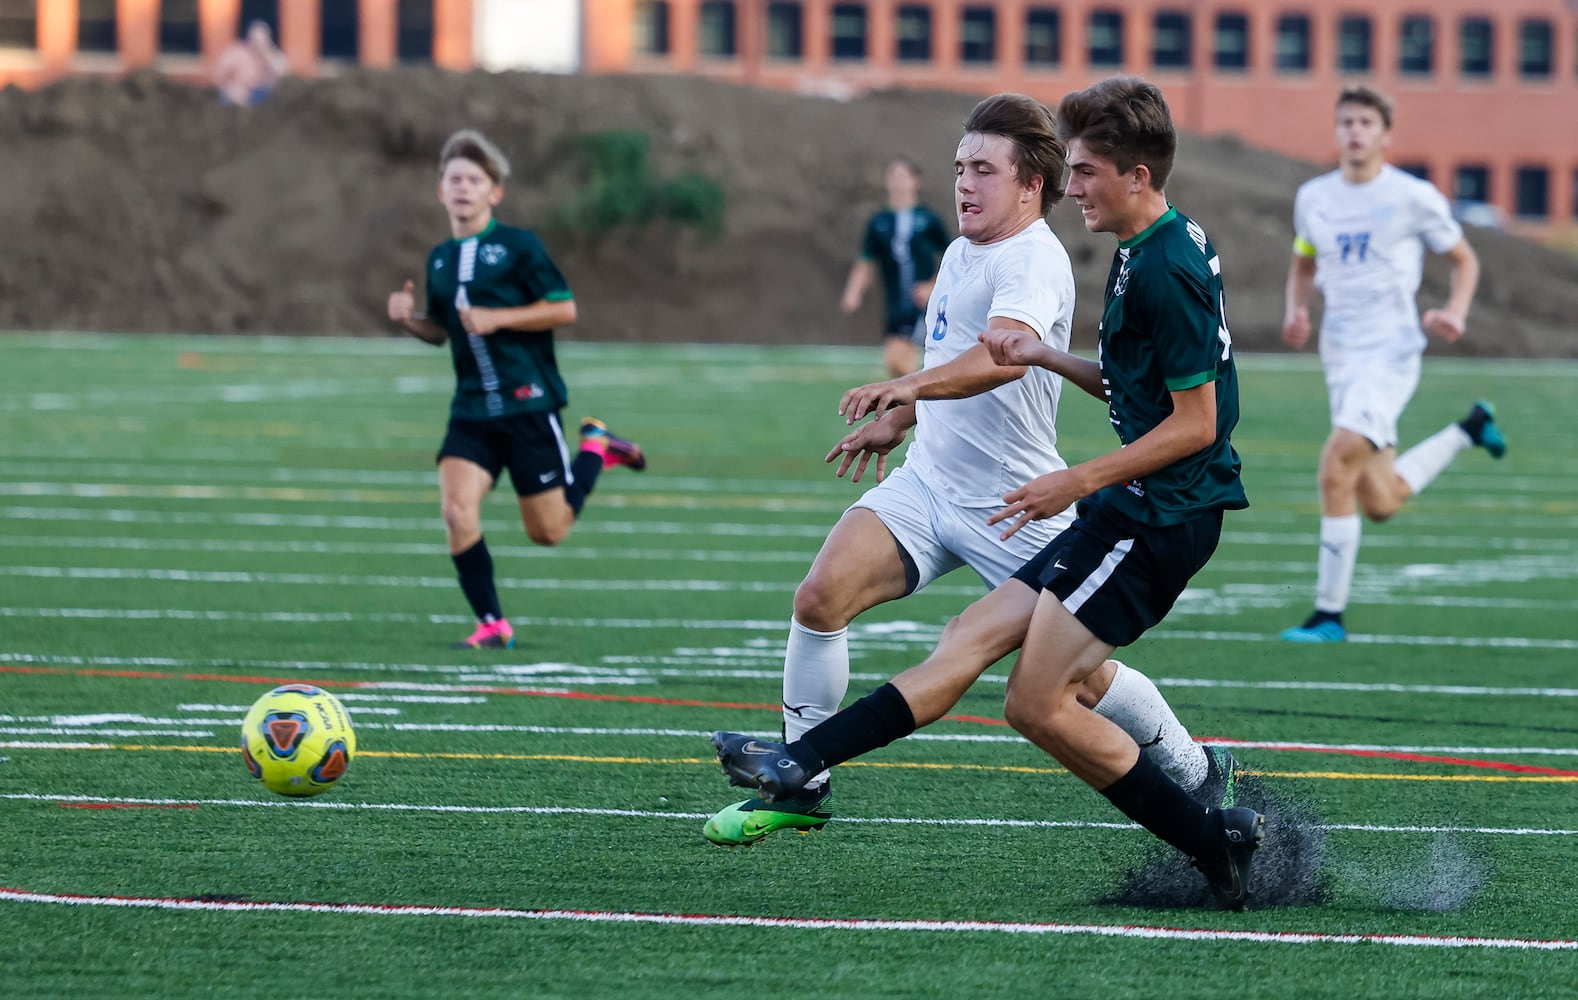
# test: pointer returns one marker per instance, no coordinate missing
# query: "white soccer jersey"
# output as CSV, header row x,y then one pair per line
x,y
977,449
1369,244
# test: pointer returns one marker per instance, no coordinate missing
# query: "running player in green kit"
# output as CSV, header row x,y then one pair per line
x,y
495,295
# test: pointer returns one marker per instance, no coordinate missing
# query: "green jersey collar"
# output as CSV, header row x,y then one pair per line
x,y
477,236
1167,216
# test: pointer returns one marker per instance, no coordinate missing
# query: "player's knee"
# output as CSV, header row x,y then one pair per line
x,y
1379,512
549,534
1028,713
818,605
460,519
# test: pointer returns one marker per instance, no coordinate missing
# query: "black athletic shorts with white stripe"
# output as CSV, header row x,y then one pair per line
x,y
530,445
1118,576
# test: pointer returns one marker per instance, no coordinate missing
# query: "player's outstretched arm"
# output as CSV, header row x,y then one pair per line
x,y
402,313
1021,347
1188,429
1449,323
969,374
873,439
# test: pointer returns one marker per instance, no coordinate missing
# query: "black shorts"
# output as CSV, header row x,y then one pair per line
x,y
530,445
1118,576
910,328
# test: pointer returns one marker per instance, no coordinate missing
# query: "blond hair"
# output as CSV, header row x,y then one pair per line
x,y
469,144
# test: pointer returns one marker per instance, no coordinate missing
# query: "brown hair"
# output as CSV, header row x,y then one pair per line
x,y
469,144
1369,98
1029,125
1126,120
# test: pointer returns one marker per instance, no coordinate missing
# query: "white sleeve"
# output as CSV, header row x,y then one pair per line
x,y
1030,287
1301,207
1437,228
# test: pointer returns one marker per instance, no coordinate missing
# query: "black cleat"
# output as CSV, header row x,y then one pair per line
x,y
760,764
1480,426
1243,831
1219,790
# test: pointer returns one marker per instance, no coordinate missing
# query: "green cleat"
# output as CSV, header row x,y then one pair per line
x,y
1219,790
748,822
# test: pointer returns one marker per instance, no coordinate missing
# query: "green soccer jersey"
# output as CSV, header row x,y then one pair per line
x,y
906,247
1163,329
508,371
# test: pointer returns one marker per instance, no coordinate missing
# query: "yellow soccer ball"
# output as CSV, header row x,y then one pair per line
x,y
298,740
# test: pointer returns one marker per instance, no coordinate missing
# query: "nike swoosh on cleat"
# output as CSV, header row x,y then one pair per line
x,y
754,747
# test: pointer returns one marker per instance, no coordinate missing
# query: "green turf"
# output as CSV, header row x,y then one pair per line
x,y
188,520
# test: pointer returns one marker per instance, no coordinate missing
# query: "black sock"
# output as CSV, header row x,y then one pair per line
x,y
874,721
1317,617
475,567
1158,803
585,468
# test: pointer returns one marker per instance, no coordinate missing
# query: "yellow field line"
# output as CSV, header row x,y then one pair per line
x,y
1536,779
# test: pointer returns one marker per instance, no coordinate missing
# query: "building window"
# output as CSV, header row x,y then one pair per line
x,y
178,35
715,39
1477,45
1353,44
340,27
1416,46
1471,184
849,31
1532,196
1172,40
1105,38
785,30
266,11
1419,170
1293,43
1230,48
96,31
651,27
1043,37
18,24
414,30
914,34
978,35
1534,48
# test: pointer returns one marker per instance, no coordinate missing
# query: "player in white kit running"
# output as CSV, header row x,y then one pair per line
x,y
982,430
1361,233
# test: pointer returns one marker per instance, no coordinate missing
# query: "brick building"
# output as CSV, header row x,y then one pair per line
x,y
1486,90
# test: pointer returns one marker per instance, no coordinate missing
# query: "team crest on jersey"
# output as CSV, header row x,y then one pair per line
x,y
438,264
493,253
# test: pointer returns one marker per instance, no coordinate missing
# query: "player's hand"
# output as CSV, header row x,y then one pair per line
x,y
1014,348
1296,329
479,321
860,446
1041,498
849,303
877,397
921,294
1443,324
402,304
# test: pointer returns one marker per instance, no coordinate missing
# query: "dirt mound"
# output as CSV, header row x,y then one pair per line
x,y
141,204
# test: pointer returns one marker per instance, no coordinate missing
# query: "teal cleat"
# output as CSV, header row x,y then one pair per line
x,y
750,822
1480,426
1316,629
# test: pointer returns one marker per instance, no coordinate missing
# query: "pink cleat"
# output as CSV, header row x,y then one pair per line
x,y
496,634
595,436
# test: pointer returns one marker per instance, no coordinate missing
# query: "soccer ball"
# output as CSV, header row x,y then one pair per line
x,y
298,740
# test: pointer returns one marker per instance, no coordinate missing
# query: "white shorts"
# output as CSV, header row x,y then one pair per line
x,y
941,536
1368,398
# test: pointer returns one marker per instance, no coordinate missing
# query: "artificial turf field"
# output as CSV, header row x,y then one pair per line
x,y
187,521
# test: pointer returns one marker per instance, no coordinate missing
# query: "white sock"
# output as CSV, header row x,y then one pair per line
x,y
816,678
1339,552
1134,705
1426,460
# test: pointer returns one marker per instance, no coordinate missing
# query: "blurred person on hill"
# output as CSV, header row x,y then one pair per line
x,y
495,296
983,428
250,67
1360,236
902,243
1151,512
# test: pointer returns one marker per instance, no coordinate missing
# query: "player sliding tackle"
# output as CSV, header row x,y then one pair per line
x,y
1152,518
981,427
